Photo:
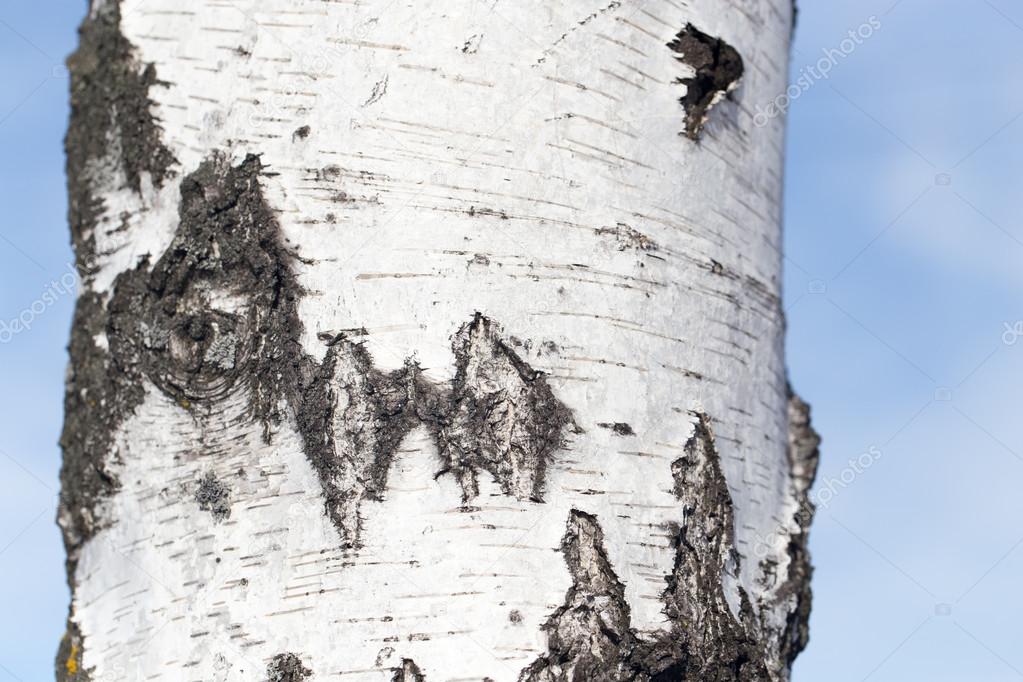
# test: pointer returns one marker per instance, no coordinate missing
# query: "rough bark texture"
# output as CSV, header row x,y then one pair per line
x,y
499,417
591,636
112,133
382,367
804,455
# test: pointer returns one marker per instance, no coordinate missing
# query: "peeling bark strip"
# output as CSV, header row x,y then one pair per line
x,y
718,67
591,637
499,416
287,667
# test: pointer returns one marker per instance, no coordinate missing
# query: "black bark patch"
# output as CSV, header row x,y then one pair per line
x,y
502,416
287,667
97,398
618,428
717,645
408,672
301,133
219,306
353,418
213,496
804,456
591,637
170,324
110,114
718,68
499,416
110,105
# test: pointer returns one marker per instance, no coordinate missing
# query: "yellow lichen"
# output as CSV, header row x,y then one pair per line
x,y
72,660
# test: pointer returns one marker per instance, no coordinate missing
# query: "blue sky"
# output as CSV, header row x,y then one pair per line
x,y
903,281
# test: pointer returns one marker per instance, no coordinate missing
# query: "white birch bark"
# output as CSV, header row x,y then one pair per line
x,y
455,204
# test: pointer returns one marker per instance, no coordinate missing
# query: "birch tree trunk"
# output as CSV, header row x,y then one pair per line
x,y
434,340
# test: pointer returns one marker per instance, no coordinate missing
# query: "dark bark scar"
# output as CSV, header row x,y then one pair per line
x,y
718,68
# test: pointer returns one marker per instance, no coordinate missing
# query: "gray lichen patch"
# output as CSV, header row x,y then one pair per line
x,y
287,667
408,672
627,237
502,416
718,67
213,496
